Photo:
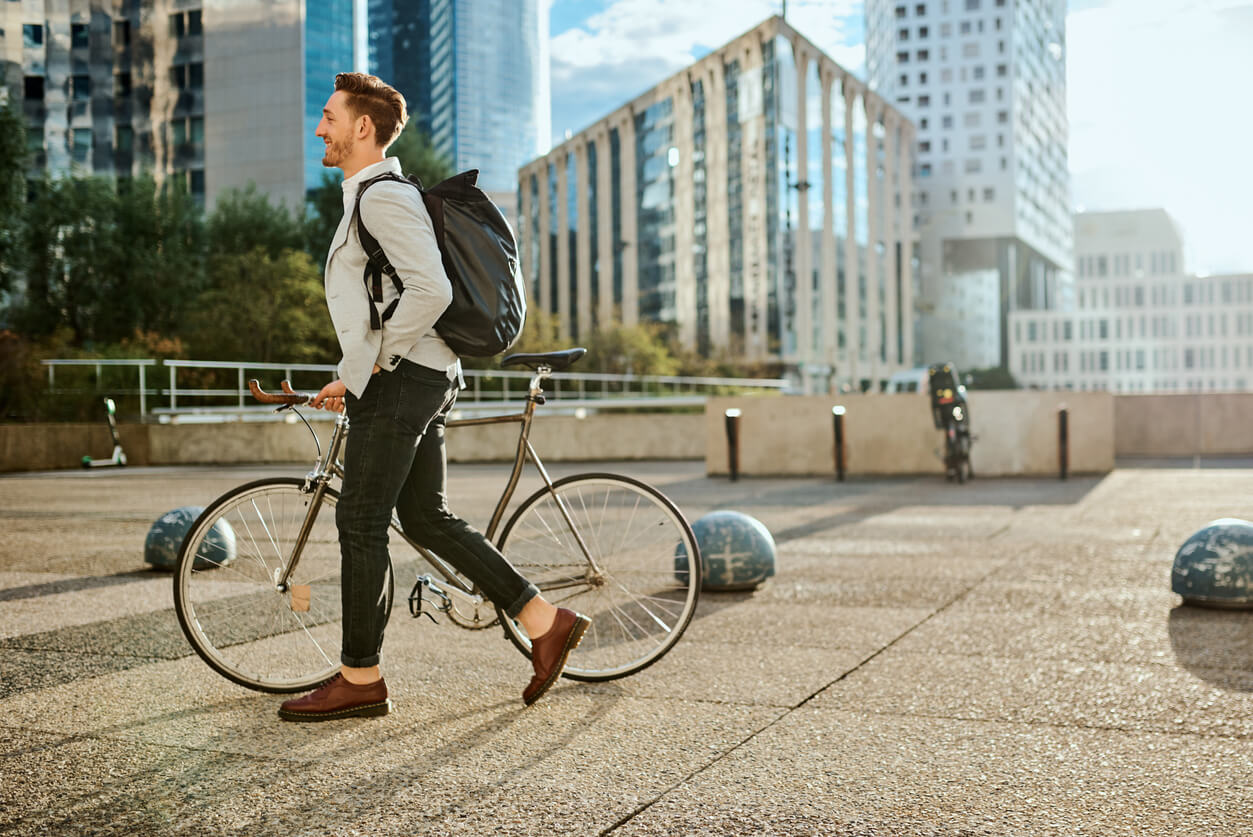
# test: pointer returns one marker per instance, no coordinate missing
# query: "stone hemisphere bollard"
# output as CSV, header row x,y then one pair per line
x,y
1214,567
737,552
165,539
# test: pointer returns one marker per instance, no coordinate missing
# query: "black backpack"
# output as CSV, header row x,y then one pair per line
x,y
480,255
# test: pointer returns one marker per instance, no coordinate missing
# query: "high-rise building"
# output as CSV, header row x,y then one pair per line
x,y
1141,323
475,76
758,201
985,83
222,93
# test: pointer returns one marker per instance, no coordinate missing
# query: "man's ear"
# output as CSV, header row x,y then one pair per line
x,y
365,127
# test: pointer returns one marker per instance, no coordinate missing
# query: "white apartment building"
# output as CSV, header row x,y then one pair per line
x,y
1142,324
984,81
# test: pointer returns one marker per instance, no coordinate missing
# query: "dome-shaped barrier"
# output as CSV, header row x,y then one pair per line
x,y
1214,567
737,551
165,538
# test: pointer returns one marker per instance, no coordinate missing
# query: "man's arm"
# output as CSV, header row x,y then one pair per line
x,y
395,215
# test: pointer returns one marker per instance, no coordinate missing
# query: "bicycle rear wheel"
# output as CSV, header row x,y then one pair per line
x,y
231,609
637,590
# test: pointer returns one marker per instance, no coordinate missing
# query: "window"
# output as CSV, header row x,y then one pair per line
x,y
1002,70
920,9
80,37
179,132
944,145
924,170
923,55
998,24
195,25
32,35
34,88
902,34
904,80
970,49
81,140
924,146
965,27
1000,140
178,77
177,25
901,11
978,142
922,78
945,30
922,124
977,97
122,85
1002,116
978,73
196,177
902,57
973,166
970,119
924,101
972,5
922,31
125,140
952,196
82,87
122,33
946,122
195,76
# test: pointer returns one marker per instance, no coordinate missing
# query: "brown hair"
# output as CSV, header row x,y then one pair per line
x,y
371,96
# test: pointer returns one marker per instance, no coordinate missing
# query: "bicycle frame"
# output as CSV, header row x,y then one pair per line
x,y
327,467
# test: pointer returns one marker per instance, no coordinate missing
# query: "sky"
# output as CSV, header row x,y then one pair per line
x,y
1157,93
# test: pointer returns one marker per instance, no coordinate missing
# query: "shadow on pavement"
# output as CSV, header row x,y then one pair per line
x,y
1214,645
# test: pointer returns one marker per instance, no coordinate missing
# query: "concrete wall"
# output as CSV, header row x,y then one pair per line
x,y
1211,424
1015,434
32,447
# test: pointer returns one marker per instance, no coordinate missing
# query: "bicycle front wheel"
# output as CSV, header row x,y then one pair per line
x,y
229,603
616,550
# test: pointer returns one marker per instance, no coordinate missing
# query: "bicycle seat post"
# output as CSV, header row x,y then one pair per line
x,y
541,372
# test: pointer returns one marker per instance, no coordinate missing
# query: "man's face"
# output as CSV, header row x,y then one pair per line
x,y
336,130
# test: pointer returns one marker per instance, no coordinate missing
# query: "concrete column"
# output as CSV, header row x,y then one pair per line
x,y
906,302
754,171
629,244
564,313
717,228
684,213
604,222
852,322
829,277
891,235
802,259
876,188
583,244
545,234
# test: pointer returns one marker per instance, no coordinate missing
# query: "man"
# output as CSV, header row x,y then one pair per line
x,y
398,383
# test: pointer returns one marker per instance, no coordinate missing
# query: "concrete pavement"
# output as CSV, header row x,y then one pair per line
x,y
1004,657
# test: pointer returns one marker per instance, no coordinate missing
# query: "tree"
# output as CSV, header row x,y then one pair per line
x,y
261,306
419,157
12,194
994,377
245,220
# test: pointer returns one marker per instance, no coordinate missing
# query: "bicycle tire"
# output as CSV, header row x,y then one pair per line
x,y
233,615
632,627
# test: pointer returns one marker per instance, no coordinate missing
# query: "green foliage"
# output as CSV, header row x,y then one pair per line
x,y
994,377
261,306
418,157
12,193
244,220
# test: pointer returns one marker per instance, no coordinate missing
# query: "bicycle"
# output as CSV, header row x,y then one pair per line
x,y
267,617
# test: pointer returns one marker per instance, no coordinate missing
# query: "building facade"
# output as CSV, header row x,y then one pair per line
x,y
984,81
1142,324
476,78
757,201
219,93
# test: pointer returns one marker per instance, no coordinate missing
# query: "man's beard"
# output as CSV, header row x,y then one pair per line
x,y
336,153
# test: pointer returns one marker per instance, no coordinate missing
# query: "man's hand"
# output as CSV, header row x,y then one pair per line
x,y
331,397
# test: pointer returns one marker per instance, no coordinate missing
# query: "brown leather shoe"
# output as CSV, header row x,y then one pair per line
x,y
337,698
550,651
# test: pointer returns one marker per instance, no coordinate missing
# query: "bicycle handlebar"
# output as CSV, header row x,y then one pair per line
x,y
289,396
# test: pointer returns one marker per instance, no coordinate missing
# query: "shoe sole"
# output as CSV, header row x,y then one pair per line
x,y
572,642
367,710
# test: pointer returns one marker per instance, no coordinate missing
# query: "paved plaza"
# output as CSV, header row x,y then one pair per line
x,y
1003,657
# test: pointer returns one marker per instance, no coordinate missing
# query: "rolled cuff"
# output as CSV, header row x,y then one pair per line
x,y
359,662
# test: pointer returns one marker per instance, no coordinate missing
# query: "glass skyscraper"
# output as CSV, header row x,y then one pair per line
x,y
475,76
328,41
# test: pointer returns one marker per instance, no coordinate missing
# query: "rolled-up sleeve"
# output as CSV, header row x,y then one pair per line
x,y
395,215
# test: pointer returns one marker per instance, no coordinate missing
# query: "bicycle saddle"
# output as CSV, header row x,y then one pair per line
x,y
557,361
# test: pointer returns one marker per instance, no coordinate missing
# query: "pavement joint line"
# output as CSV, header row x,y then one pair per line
x,y
1053,725
641,809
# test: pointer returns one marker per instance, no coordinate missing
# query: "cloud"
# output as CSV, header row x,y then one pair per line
x,y
631,45
1156,115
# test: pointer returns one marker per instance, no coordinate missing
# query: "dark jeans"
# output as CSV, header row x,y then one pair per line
x,y
395,459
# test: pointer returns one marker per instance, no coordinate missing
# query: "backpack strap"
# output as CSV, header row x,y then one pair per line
x,y
377,264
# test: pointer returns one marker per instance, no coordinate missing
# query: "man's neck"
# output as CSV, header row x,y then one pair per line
x,y
352,167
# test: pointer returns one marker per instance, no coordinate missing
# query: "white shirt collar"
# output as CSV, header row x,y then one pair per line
x,y
388,164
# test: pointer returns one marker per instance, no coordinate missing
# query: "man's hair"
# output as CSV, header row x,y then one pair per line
x,y
371,96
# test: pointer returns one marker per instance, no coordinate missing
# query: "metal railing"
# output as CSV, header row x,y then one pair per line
x,y
486,389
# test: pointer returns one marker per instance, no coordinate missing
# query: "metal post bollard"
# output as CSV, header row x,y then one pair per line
x,y
1063,441
733,443
837,418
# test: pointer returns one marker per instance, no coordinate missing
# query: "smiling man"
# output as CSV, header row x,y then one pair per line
x,y
398,380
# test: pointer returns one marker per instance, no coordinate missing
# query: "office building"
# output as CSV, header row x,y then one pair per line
x,y
221,93
757,201
475,76
984,81
1142,324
